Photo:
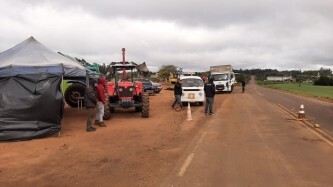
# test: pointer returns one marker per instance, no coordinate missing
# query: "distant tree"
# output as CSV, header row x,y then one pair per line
x,y
324,81
325,72
103,69
165,71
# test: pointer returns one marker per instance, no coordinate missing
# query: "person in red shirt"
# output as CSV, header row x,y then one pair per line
x,y
100,101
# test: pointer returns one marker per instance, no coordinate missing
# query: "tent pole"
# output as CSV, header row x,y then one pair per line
x,y
62,86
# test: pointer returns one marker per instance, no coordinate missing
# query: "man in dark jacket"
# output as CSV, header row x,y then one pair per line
x,y
209,93
178,93
90,102
243,85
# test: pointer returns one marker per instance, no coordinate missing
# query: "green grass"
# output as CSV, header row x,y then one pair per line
x,y
325,92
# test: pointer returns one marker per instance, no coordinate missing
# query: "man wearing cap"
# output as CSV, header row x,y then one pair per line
x,y
90,102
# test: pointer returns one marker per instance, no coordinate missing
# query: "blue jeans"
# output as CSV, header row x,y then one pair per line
x,y
178,100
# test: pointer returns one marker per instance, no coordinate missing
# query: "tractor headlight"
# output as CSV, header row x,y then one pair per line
x,y
131,89
120,89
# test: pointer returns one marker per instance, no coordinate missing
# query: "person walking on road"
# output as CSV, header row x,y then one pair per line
x,y
101,101
243,85
209,93
90,102
178,92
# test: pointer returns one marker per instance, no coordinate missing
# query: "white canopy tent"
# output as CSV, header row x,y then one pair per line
x,y
31,102
31,57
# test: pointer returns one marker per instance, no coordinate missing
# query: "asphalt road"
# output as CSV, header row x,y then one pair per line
x,y
316,111
250,141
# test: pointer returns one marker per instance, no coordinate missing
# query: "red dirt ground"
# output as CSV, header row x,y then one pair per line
x,y
131,151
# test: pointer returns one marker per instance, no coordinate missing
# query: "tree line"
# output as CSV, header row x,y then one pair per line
x,y
323,76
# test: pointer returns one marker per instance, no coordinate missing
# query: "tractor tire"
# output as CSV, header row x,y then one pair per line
x,y
72,92
107,109
145,105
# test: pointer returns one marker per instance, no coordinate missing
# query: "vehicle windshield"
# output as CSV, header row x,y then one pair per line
x,y
220,77
192,83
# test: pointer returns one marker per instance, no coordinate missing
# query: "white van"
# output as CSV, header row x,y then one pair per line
x,y
193,89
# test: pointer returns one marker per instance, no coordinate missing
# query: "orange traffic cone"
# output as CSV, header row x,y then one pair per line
x,y
189,114
301,113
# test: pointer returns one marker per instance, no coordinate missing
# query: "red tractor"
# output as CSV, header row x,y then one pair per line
x,y
125,93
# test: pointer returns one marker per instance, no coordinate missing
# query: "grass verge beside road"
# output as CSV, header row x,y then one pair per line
x,y
321,92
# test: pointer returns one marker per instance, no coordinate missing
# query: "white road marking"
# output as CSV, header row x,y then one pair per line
x,y
189,158
186,164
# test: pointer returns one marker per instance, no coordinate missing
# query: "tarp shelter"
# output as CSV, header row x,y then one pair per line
x,y
31,102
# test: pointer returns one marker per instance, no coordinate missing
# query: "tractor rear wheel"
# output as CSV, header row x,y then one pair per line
x,y
73,92
107,109
145,105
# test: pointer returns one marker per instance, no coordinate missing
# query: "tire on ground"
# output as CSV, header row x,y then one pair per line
x,y
145,105
107,110
72,92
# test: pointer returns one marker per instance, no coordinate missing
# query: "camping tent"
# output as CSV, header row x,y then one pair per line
x,y
31,103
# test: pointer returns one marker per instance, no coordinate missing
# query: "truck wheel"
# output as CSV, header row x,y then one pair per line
x,y
145,105
232,88
72,92
107,109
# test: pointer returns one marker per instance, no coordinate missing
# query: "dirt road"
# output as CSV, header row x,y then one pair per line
x,y
252,142
133,151
130,151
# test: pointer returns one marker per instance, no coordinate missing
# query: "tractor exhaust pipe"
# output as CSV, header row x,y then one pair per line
x,y
124,70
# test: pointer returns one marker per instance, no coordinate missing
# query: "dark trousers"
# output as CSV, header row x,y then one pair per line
x,y
91,113
243,89
177,100
209,104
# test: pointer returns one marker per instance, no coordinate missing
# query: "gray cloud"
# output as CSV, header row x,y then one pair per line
x,y
190,34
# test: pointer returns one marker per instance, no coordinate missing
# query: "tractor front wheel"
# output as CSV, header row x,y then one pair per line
x,y
145,105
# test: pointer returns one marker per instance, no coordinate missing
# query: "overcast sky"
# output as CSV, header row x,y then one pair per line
x,y
192,34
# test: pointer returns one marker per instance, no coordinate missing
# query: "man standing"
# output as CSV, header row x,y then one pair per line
x,y
243,85
210,93
90,102
178,93
100,101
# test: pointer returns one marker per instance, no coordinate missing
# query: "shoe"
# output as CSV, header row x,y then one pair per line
x,y
91,129
206,113
102,124
96,122
211,113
